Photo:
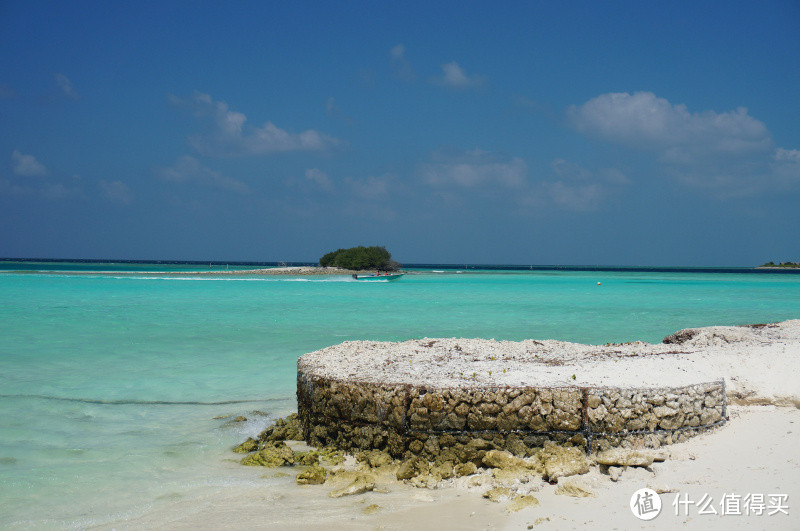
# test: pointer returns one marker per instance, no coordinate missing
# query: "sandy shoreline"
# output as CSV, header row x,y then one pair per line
x,y
755,454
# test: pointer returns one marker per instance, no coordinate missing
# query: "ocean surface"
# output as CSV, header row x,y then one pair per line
x,y
118,392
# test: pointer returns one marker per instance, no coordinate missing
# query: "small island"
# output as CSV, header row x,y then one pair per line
x,y
360,258
782,265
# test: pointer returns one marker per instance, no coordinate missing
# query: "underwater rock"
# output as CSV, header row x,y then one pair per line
x,y
246,447
371,509
313,476
360,485
240,419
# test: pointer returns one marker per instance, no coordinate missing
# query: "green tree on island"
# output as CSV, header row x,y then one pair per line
x,y
360,258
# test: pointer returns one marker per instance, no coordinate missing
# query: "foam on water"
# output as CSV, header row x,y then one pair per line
x,y
110,384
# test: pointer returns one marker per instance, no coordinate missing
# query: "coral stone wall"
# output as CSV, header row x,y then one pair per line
x,y
406,418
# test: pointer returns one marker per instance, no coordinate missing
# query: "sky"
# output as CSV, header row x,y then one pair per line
x,y
575,133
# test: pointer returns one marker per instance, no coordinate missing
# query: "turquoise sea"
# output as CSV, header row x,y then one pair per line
x,y
111,386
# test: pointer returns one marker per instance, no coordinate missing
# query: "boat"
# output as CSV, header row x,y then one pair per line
x,y
376,278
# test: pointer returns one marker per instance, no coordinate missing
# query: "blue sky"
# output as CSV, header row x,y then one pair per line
x,y
620,133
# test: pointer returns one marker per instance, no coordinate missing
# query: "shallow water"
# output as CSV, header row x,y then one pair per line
x,y
109,385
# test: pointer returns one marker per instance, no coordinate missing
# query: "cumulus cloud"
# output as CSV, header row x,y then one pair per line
x,y
471,169
116,191
65,85
454,76
727,152
189,170
27,165
228,134
644,120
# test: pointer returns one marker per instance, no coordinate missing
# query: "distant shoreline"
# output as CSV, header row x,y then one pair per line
x,y
272,268
293,270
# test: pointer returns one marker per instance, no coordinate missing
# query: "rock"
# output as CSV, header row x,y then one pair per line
x,y
465,469
286,429
246,447
270,456
575,488
498,494
624,457
561,461
416,466
313,476
661,488
330,456
443,470
615,472
502,459
240,419
512,476
371,509
360,485
416,446
427,481
375,458
521,502
660,455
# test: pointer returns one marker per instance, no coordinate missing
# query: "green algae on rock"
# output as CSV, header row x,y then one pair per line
x,y
250,445
314,475
284,429
271,455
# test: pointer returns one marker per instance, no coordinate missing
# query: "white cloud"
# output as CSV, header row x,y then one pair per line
x,y
731,153
189,170
472,169
786,166
372,188
116,191
228,133
319,177
400,65
644,120
455,76
65,85
27,165
577,197
574,187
